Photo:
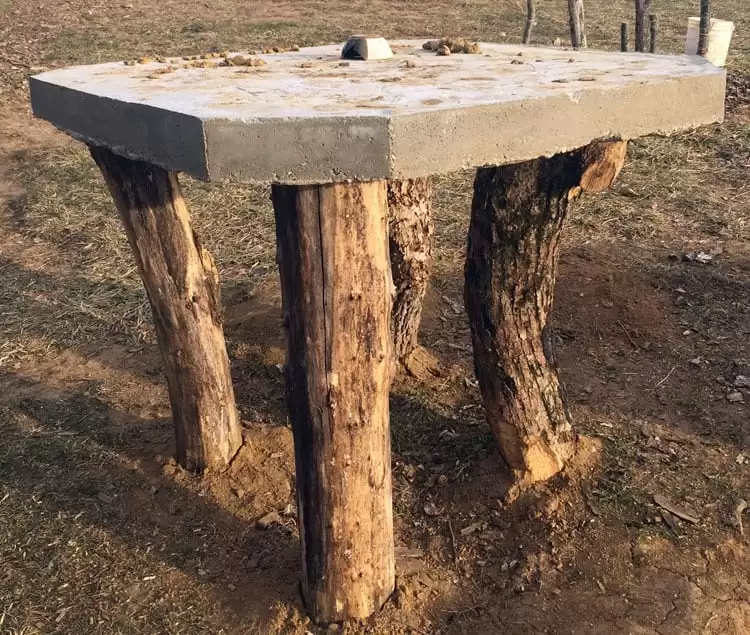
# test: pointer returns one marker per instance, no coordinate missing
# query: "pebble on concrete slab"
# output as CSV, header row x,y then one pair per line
x,y
454,45
366,47
241,60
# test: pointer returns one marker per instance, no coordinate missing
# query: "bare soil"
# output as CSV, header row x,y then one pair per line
x,y
101,532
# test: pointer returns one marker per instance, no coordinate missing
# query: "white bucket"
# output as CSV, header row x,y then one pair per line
x,y
719,38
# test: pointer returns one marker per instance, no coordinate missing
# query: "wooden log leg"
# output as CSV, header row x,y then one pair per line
x,y
182,284
517,218
410,231
336,292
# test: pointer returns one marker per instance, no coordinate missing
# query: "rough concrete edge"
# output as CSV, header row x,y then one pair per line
x,y
308,163
204,169
409,166
41,90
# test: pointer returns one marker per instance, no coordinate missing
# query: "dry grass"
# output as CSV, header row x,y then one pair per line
x,y
68,210
100,534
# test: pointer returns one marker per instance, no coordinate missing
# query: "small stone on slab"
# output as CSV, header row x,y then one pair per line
x,y
366,47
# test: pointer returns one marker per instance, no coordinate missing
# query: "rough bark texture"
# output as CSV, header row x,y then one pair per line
x,y
336,290
705,27
530,21
641,10
182,284
517,218
577,24
624,37
653,21
410,231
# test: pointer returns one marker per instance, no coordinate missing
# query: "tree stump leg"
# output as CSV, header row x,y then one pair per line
x,y
517,218
336,292
410,231
182,284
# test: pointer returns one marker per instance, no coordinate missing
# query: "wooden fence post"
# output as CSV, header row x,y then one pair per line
x,y
577,24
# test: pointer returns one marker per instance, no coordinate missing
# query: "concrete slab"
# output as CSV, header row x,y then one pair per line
x,y
308,117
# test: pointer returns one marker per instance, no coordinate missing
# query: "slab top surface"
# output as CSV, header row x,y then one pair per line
x,y
310,117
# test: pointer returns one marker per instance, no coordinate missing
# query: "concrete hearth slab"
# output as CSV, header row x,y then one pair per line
x,y
308,117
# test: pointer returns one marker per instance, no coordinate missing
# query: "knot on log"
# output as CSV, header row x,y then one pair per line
x,y
602,162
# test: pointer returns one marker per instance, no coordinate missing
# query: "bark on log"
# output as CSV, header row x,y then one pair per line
x,y
653,21
182,285
530,21
410,231
517,218
577,24
642,8
705,27
336,290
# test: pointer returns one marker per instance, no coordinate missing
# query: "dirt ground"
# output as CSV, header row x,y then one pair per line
x,y
100,531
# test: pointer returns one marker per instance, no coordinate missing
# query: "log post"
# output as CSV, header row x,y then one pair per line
x,y
530,21
517,218
410,231
577,24
642,8
705,27
182,285
653,21
336,292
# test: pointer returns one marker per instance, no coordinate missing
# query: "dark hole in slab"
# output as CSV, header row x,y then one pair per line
x,y
351,51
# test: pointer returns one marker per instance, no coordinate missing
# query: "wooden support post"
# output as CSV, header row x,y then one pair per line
x,y
530,21
336,290
705,27
641,10
517,218
410,231
624,37
654,24
182,284
577,24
